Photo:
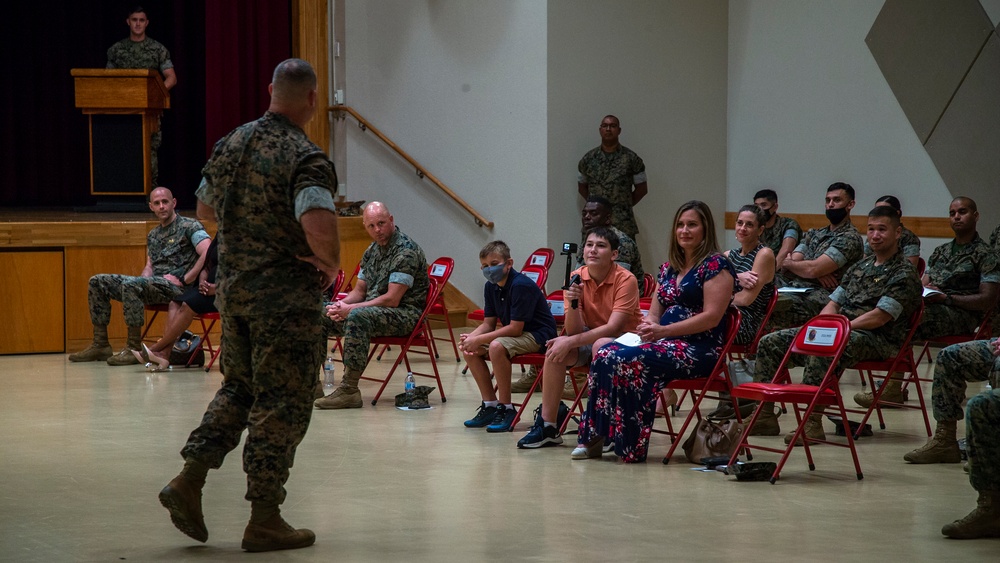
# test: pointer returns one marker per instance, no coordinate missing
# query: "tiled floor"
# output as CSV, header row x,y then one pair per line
x,y
84,449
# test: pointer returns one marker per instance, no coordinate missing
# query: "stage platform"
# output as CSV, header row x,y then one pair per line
x,y
48,255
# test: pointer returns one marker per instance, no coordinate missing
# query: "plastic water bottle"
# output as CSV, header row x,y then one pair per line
x,y
409,384
328,372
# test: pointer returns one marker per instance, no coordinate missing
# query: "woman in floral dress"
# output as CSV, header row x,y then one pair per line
x,y
681,339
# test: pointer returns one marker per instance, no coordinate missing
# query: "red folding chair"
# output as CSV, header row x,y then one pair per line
x,y
419,339
648,285
741,350
983,332
541,257
343,288
822,336
903,362
441,270
156,310
716,382
213,351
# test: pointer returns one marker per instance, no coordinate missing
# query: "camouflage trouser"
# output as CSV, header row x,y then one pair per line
x,y
982,440
270,365
365,322
623,218
861,346
794,309
134,292
955,365
944,320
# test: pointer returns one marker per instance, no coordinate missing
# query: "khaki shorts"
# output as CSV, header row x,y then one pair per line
x,y
517,345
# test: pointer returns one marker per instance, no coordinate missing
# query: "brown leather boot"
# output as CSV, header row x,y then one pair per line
x,y
182,497
983,522
98,351
275,534
125,357
347,396
767,422
813,429
941,448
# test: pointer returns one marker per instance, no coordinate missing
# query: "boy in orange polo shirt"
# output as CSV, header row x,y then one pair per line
x,y
604,303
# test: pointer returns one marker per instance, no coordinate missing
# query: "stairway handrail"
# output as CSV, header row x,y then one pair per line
x,y
422,172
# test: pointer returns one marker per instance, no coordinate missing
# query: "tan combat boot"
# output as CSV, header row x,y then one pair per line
x,y
126,357
983,522
523,384
347,396
894,393
767,422
941,448
813,430
182,497
581,382
98,351
274,534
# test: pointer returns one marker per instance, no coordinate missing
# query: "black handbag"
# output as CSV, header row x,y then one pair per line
x,y
187,345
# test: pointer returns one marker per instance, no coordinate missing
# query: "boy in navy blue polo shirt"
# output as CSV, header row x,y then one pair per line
x,y
517,321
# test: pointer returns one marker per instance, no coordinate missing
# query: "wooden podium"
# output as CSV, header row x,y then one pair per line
x,y
124,107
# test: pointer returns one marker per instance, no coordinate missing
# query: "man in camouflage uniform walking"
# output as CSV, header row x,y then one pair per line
x,y
271,191
610,171
175,250
878,294
819,261
142,52
386,301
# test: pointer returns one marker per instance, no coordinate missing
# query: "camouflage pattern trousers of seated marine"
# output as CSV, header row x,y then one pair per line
x,y
954,366
270,365
982,440
134,292
364,323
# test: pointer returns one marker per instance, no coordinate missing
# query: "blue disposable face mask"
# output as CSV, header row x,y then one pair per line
x,y
494,274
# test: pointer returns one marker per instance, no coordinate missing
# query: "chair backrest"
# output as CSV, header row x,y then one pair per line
x,y
542,257
441,269
557,306
761,330
921,266
824,336
537,274
334,288
648,284
349,285
905,354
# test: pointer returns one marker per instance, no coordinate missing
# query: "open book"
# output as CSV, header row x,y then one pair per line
x,y
928,292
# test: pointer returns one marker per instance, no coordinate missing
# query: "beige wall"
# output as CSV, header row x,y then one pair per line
x,y
660,66
500,100
808,106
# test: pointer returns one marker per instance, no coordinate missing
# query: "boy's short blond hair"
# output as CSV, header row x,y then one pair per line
x,y
497,247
